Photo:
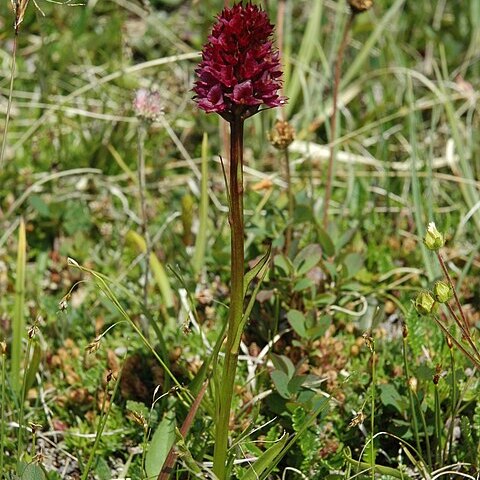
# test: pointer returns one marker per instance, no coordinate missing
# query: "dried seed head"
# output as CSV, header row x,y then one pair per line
x,y
35,427
369,342
92,347
433,240
186,327
359,6
357,419
3,347
438,373
32,331
138,418
282,135
449,342
19,9
443,292
424,303
63,303
404,330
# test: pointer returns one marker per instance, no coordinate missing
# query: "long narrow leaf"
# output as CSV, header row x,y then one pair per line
x,y
361,57
18,327
264,461
158,269
201,240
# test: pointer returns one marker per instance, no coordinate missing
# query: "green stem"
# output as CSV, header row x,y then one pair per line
x,y
225,394
21,413
447,448
392,472
438,428
424,425
104,413
9,102
410,396
2,407
372,416
142,188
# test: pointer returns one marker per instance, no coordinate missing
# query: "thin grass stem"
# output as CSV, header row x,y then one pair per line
x,y
9,101
425,431
142,133
438,426
372,416
105,411
21,411
3,347
414,419
447,448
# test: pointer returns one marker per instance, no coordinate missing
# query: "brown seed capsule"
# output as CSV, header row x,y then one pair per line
x,y
282,135
359,6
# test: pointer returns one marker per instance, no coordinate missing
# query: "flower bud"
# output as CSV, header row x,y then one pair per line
x,y
359,6
413,384
443,292
433,240
424,303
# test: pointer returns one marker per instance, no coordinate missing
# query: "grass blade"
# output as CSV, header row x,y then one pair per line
x,y
201,241
158,269
361,57
18,327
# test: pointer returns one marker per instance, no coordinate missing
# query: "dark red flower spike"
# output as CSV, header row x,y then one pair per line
x,y
240,69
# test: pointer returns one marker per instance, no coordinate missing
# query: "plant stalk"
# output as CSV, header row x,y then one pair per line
x,y
9,102
291,202
333,119
225,394
372,415
438,427
457,301
2,408
21,410
104,413
414,419
142,133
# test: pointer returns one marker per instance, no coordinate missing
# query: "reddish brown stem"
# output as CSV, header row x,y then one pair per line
x,y
457,301
475,361
333,119
172,454
225,394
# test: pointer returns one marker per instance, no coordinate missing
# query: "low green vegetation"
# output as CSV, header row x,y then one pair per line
x,y
115,256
